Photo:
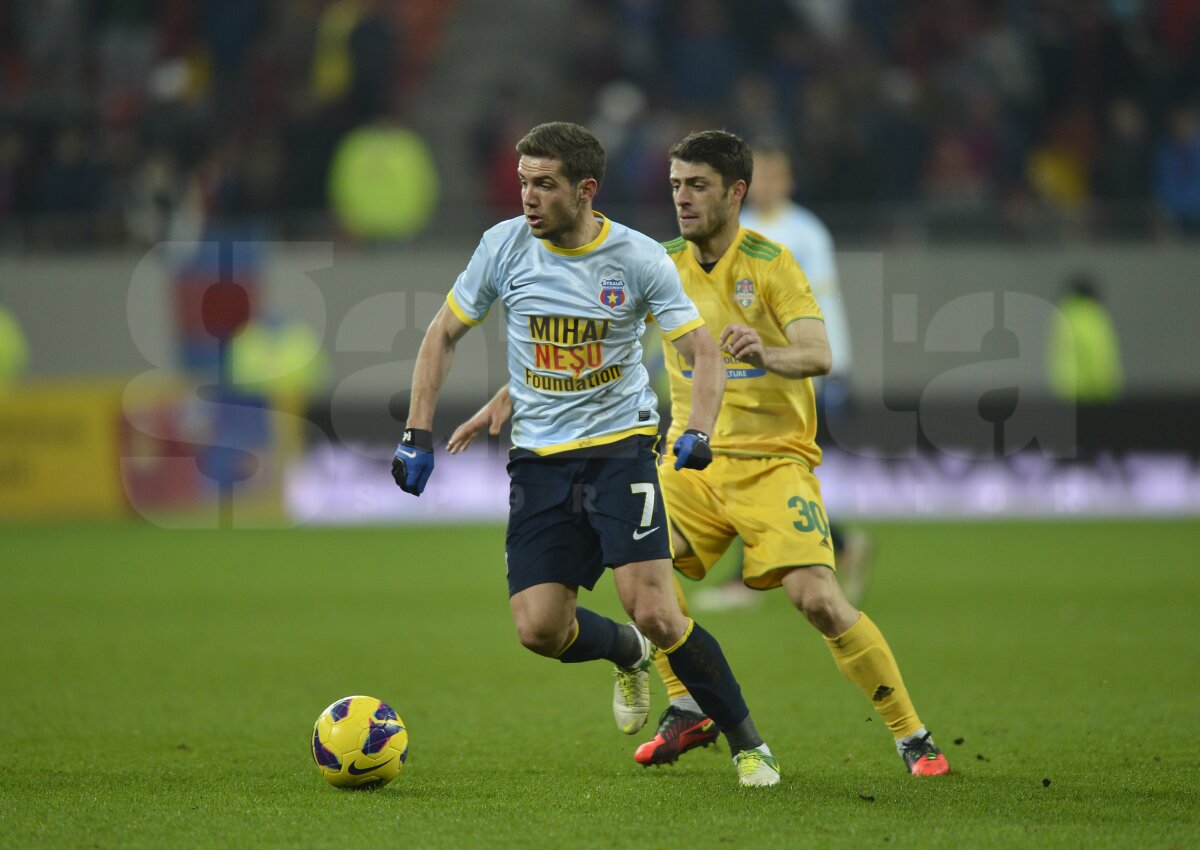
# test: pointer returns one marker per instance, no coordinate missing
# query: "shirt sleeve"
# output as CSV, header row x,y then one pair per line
x,y
476,288
788,293
672,310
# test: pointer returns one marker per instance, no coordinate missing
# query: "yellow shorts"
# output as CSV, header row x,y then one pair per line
x,y
774,504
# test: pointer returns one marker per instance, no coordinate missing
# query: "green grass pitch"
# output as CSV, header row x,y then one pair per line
x,y
159,688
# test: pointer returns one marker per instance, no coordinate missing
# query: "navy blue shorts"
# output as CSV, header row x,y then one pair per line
x,y
573,514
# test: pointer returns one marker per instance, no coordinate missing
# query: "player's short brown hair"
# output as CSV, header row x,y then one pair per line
x,y
725,153
581,154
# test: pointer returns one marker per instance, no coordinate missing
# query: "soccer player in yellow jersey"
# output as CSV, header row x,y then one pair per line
x,y
761,484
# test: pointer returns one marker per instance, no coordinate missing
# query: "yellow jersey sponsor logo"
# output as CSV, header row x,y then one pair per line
x,y
734,369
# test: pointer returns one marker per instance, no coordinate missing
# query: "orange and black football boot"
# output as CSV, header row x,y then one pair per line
x,y
679,730
923,757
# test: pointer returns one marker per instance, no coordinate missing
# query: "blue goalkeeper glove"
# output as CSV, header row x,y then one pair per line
x,y
692,450
413,462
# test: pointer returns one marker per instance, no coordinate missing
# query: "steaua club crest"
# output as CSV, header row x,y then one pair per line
x,y
743,291
612,292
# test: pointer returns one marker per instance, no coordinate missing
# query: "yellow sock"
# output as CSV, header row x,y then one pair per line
x,y
675,688
865,658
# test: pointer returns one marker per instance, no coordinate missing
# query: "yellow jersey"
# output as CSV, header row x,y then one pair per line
x,y
758,284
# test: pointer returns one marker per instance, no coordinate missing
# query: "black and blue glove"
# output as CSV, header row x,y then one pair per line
x,y
413,462
692,450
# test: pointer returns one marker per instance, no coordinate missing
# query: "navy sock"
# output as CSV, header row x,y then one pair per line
x,y
701,666
742,737
599,637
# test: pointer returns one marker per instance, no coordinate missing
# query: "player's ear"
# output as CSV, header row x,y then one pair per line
x,y
587,189
737,192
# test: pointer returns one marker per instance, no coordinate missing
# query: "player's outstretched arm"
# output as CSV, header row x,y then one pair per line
x,y
806,355
412,463
434,359
491,416
708,377
692,449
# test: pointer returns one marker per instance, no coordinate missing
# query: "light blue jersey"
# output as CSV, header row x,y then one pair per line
x,y
575,319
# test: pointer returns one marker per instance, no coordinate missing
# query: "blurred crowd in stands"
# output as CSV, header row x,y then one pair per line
x,y
1012,117
969,116
116,115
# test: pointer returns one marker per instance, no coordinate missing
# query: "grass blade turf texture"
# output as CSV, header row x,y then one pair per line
x,y
159,688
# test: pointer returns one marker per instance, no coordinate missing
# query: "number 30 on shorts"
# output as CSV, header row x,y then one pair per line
x,y
811,515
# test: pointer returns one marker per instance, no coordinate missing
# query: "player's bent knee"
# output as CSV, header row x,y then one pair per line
x,y
816,594
662,625
540,634
542,639
819,610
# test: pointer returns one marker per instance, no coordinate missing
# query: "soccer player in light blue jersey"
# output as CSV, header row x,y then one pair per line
x,y
585,493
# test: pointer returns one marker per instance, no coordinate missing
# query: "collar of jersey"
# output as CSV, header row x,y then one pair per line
x,y
729,252
605,227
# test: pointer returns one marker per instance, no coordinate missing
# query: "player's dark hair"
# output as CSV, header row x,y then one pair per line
x,y
581,154
725,153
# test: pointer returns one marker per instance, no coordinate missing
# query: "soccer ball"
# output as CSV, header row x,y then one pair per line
x,y
359,741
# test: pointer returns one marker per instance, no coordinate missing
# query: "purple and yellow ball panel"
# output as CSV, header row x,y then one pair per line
x,y
360,741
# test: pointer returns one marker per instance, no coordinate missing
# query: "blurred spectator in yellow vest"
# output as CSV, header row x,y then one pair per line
x,y
1084,355
14,351
281,359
